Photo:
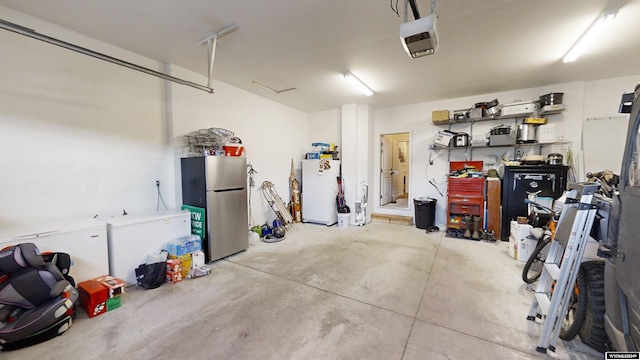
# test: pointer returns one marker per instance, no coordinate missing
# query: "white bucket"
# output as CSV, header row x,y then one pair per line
x,y
343,220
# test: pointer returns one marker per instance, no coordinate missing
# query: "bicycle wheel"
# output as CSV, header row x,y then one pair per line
x,y
577,312
533,267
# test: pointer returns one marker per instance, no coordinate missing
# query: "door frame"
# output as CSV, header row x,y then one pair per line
x,y
377,203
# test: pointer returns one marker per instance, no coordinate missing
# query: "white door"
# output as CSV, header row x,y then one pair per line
x,y
386,163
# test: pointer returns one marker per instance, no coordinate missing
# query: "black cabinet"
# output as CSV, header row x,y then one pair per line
x,y
518,181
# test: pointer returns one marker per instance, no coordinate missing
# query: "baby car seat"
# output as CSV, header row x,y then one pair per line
x,y
37,300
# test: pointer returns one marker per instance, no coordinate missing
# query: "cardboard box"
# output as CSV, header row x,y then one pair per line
x,y
174,277
93,297
185,262
440,117
521,249
520,231
114,303
174,265
114,285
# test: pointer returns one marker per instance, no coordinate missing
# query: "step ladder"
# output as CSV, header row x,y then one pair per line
x,y
562,264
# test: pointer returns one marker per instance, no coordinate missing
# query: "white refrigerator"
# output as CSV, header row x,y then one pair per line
x,y
319,191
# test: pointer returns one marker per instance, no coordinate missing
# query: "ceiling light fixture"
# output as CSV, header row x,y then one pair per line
x,y
589,36
358,84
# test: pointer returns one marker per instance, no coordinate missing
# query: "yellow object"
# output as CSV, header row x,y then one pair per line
x,y
326,156
439,117
185,261
535,121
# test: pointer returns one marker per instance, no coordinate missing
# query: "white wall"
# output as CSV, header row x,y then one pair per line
x,y
582,99
78,136
270,133
326,126
602,100
81,137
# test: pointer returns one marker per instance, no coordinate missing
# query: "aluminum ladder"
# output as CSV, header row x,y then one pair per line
x,y
562,264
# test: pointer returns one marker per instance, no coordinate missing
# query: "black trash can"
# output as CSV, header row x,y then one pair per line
x,y
425,212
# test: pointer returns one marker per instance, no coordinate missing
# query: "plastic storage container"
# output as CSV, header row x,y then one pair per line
x,y
343,220
425,212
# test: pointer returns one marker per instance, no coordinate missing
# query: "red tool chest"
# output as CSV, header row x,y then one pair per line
x,y
466,194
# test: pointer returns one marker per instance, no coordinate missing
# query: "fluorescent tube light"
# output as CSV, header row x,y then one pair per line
x,y
589,36
358,84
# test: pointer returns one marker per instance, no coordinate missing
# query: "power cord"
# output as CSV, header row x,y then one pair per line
x,y
160,199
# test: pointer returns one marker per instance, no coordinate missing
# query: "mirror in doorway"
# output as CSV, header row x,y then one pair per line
x,y
394,174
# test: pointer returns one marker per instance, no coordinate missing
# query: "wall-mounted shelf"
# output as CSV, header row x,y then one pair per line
x,y
544,111
506,146
516,118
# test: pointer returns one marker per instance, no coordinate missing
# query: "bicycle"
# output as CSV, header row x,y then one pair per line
x,y
535,263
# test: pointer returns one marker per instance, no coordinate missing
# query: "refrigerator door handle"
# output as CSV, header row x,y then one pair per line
x,y
224,190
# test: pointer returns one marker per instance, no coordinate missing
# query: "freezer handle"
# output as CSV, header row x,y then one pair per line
x,y
36,235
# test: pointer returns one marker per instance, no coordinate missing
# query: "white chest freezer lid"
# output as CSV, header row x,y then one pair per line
x,y
48,228
133,219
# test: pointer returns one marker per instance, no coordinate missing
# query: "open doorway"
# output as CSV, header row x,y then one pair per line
x,y
394,170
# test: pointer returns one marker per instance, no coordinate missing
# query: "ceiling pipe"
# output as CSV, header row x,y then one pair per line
x,y
211,42
35,35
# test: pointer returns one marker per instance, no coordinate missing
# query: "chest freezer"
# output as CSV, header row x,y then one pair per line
x,y
131,238
85,240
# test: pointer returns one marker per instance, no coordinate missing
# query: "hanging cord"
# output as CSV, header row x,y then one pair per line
x,y
395,10
160,199
435,183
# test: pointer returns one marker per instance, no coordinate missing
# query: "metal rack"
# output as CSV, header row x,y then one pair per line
x,y
209,140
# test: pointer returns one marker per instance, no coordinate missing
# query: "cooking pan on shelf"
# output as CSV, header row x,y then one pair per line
x,y
533,160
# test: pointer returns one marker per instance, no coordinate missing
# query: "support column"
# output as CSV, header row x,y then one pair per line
x,y
357,153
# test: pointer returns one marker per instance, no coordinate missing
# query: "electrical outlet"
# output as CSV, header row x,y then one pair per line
x,y
157,183
432,146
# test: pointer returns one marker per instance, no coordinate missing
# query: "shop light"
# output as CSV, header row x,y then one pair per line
x,y
358,84
588,37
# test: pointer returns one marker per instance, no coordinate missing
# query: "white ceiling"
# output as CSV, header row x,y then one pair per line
x,y
485,46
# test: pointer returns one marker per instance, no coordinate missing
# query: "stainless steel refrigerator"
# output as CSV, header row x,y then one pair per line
x,y
218,184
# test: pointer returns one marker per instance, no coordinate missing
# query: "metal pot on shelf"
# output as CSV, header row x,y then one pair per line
x,y
554,159
526,133
461,140
493,111
551,99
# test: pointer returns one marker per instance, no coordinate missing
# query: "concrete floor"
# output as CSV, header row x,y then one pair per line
x,y
381,291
